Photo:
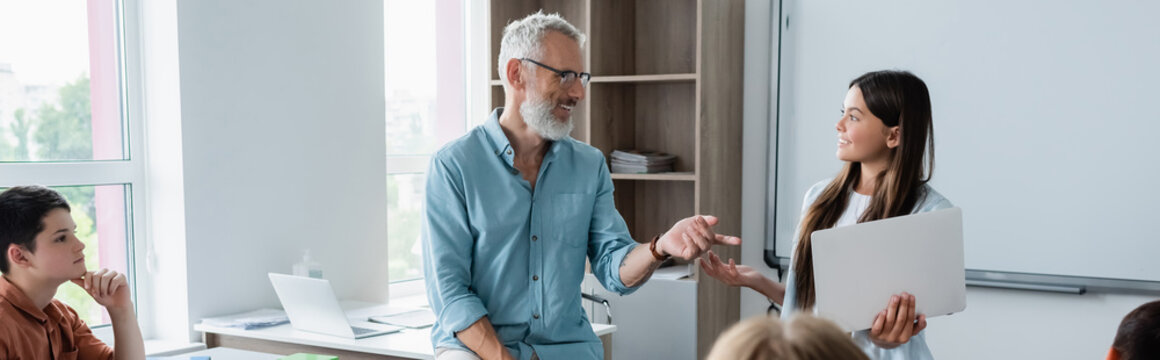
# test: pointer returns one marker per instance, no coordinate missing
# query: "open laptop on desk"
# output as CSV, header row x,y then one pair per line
x,y
311,306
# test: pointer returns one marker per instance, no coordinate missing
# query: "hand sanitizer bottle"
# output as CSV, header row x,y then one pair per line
x,y
308,267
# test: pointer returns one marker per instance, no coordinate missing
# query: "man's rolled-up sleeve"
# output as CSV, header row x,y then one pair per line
x,y
448,248
608,238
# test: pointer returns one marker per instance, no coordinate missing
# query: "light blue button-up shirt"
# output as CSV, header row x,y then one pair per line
x,y
493,246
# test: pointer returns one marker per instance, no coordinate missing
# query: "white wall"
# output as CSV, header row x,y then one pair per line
x,y
998,324
165,261
283,143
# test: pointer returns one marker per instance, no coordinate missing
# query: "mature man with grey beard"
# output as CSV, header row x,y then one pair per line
x,y
515,207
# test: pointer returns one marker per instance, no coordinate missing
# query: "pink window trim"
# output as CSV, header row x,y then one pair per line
x,y
104,86
450,98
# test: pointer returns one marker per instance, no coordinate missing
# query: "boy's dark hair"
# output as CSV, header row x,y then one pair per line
x,y
22,212
1139,333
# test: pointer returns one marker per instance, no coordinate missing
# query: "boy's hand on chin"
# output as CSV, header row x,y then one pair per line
x,y
109,288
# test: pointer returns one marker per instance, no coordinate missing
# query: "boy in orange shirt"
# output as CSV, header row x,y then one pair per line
x,y
41,252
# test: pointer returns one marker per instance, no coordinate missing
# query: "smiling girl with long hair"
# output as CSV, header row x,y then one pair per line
x,y
886,138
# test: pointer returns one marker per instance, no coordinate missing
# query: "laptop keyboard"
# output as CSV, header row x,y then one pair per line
x,y
359,331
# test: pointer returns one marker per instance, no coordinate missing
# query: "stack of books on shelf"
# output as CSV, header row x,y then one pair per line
x,y
641,162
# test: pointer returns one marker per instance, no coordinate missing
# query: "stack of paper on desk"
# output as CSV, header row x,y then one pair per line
x,y
249,320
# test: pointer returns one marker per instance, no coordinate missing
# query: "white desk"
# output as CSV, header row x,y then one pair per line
x,y
283,339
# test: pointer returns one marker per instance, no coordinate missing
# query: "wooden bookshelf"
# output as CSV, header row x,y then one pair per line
x,y
666,76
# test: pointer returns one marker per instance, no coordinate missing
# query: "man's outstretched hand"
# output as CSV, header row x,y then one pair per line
x,y
693,236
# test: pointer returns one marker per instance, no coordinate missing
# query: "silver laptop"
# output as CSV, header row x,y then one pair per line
x,y
857,268
311,306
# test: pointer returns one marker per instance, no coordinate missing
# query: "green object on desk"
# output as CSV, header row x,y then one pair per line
x,y
305,356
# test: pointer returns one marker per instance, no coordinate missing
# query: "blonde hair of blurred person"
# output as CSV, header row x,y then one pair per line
x,y
803,337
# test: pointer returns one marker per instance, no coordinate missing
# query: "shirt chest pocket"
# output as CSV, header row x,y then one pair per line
x,y
569,217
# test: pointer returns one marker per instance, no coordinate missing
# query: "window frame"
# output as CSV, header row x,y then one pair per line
x,y
469,73
129,172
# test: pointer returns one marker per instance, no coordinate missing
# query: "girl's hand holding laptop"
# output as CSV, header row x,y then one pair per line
x,y
896,324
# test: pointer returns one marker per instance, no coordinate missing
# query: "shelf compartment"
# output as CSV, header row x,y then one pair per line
x,y
645,116
643,37
650,208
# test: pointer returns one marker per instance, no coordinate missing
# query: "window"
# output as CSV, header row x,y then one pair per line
x,y
425,101
64,123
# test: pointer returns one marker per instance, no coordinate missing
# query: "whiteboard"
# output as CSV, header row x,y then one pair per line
x,y
1046,121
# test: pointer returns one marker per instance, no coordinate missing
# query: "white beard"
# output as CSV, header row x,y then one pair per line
x,y
537,114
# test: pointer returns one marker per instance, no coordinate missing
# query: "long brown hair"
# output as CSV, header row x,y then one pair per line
x,y
900,99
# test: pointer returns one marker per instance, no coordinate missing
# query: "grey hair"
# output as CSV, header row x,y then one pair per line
x,y
524,38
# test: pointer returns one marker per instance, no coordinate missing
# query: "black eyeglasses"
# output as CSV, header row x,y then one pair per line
x,y
566,76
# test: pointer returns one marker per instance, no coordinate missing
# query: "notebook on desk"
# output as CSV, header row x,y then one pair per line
x,y
414,319
311,306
